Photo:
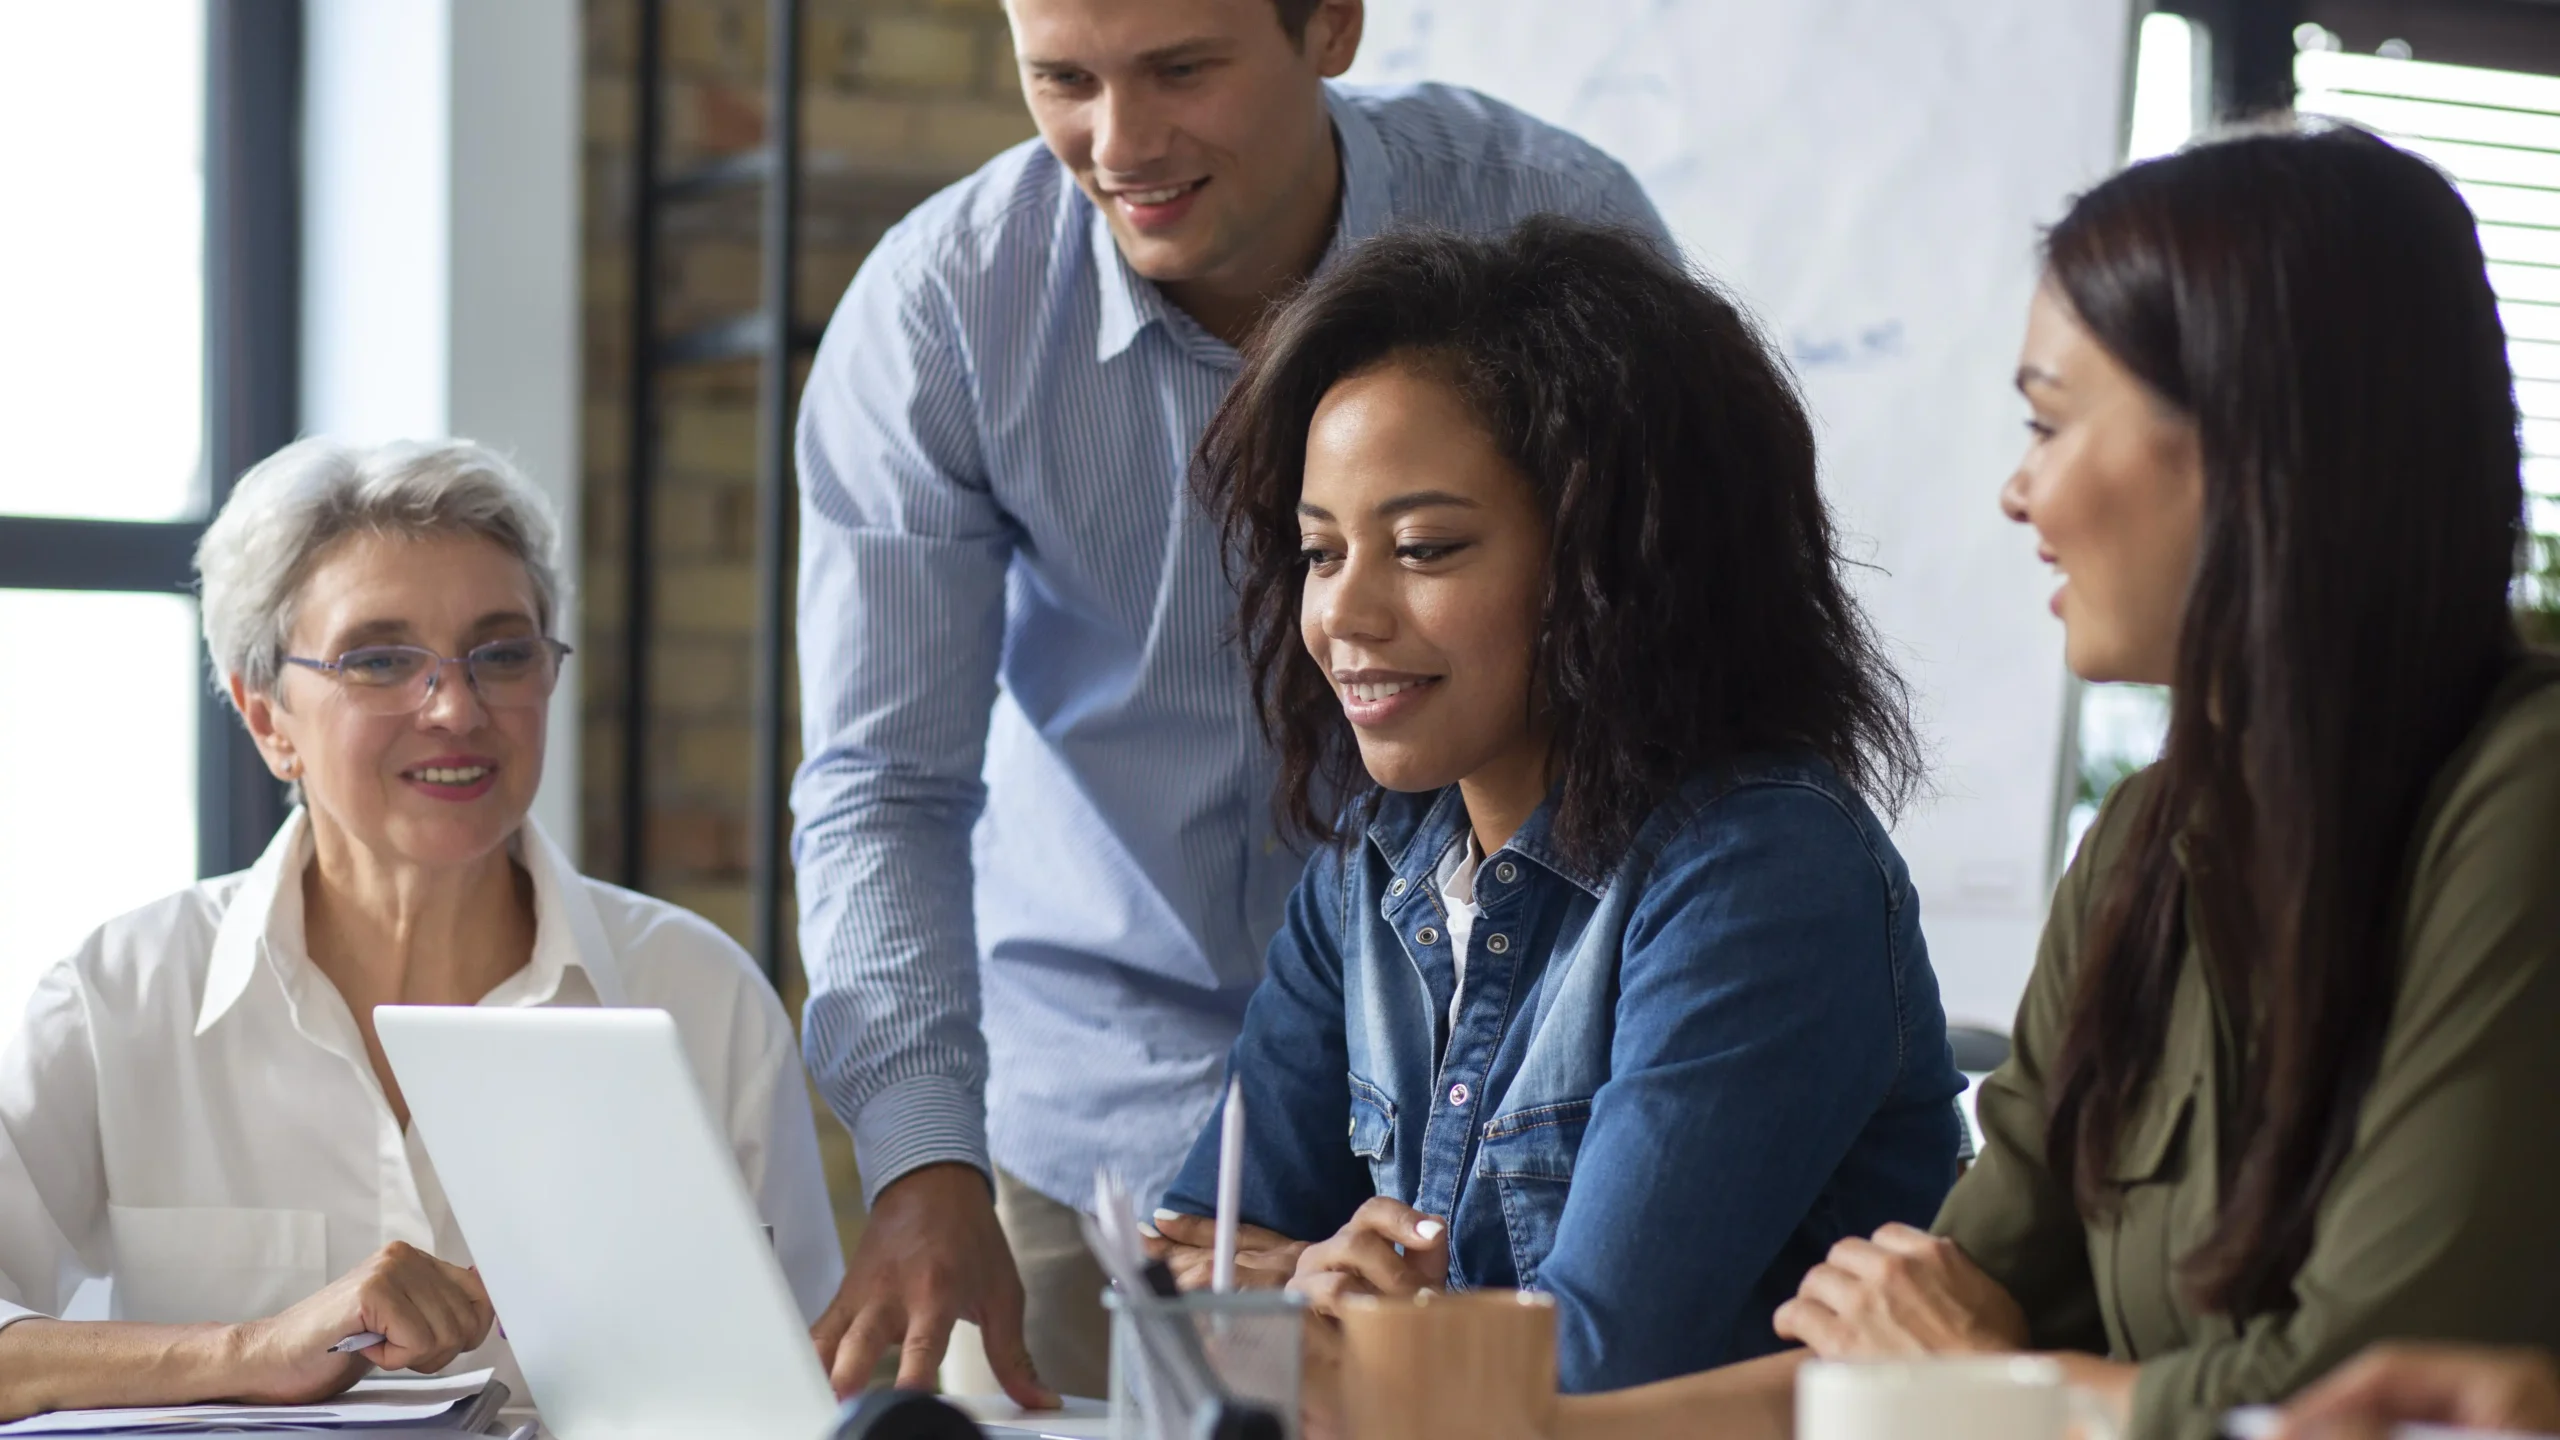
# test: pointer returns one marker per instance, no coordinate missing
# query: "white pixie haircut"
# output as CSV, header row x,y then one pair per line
x,y
293,506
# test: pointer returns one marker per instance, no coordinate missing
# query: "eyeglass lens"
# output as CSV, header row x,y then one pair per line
x,y
396,679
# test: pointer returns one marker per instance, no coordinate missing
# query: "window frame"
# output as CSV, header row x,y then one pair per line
x,y
253,226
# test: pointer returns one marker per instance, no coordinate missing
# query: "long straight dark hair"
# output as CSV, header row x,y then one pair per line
x,y
2316,301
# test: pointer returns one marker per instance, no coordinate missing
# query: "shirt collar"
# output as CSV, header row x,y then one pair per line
x,y
1415,832
1131,302
265,914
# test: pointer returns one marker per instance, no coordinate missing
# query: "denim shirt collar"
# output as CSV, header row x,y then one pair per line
x,y
1412,832
1131,302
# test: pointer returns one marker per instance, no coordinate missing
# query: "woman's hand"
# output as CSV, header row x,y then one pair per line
x,y
1363,1260
2389,1385
426,1311
1265,1259
1905,1292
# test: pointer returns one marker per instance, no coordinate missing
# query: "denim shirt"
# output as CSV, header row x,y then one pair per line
x,y
1671,1085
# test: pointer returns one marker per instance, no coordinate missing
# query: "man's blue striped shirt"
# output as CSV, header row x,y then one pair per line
x,y
1037,866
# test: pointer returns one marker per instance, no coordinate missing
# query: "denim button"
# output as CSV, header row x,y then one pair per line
x,y
1499,944
1506,872
1397,888
1458,1095
1426,936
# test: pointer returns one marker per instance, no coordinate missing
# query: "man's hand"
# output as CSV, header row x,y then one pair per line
x,y
1364,1258
1265,1259
931,1255
426,1311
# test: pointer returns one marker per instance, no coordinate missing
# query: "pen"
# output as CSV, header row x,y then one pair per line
x,y
1230,1189
361,1340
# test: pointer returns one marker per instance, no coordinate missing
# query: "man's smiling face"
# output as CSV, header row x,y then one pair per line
x,y
1197,127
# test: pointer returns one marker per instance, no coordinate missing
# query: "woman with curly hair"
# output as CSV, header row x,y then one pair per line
x,y
1604,977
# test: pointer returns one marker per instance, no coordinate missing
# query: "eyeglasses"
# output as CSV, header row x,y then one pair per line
x,y
399,679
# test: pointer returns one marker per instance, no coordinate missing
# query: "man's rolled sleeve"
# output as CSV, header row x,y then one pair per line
x,y
903,557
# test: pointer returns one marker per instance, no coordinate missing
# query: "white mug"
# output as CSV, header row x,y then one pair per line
x,y
1986,1397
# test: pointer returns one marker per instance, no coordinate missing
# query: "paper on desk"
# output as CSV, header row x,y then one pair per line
x,y
2260,1422
1077,1419
377,1400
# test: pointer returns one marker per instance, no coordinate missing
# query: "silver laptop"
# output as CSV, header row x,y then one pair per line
x,y
624,1255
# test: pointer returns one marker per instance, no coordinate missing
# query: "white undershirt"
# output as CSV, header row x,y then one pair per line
x,y
1456,882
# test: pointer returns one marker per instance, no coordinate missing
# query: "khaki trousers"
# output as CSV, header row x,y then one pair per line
x,y
1063,1320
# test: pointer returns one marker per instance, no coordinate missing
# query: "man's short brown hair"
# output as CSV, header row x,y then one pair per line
x,y
1294,15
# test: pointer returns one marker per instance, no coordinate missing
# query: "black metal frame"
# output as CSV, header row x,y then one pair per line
x,y
2496,34
253,319
774,338
2253,45
253,100
2252,51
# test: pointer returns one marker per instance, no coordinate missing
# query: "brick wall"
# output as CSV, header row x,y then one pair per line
x,y
900,98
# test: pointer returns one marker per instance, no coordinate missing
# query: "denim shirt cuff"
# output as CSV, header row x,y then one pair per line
x,y
919,1121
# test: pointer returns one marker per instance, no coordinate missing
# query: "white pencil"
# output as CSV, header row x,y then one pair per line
x,y
1230,1188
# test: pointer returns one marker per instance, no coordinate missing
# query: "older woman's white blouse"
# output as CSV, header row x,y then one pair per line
x,y
187,1110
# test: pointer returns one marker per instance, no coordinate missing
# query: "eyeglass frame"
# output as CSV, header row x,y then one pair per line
x,y
335,669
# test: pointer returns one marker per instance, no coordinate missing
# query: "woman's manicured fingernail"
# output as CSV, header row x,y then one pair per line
x,y
1429,1229
1150,1231
1164,1215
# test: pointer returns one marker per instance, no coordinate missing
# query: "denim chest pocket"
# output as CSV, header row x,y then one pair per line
x,y
1529,1156
1373,1133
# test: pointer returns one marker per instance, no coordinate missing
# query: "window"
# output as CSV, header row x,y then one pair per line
x,y
101,737
2497,133
102,396
102,115
153,140
2117,729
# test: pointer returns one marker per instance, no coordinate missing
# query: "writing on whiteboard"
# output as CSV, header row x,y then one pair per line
x,y
1865,346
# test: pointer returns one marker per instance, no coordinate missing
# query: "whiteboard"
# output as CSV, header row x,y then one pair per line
x,y
1868,177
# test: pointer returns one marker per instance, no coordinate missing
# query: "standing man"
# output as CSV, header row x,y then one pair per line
x,y
1036,855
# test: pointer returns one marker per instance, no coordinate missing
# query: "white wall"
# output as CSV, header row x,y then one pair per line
x,y
1868,176
440,251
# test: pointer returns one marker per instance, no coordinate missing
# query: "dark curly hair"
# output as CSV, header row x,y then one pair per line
x,y
1695,607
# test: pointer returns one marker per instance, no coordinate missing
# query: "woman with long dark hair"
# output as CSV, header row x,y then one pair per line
x,y
2283,1075
1603,978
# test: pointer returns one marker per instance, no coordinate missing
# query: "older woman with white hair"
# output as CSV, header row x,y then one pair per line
x,y
196,1107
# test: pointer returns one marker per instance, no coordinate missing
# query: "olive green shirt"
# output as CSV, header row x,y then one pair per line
x,y
2444,1220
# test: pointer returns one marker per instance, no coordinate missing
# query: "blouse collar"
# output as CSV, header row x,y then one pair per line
x,y
265,917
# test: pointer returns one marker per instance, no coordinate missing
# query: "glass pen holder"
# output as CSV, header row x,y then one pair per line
x,y
1252,1341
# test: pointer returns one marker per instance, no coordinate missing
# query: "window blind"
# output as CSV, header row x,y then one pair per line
x,y
2497,133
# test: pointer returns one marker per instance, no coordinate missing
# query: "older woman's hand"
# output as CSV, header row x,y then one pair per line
x,y
1363,1259
1265,1259
426,1311
2511,1390
1905,1292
